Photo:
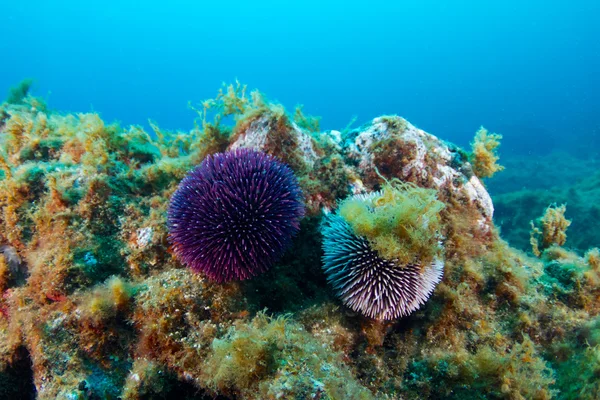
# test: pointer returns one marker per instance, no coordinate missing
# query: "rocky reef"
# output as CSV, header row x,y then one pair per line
x,y
94,304
530,184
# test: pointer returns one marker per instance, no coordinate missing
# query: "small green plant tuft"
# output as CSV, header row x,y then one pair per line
x,y
483,156
107,300
17,94
308,122
593,258
549,230
402,221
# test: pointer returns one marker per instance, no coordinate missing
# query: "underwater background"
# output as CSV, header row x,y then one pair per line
x,y
525,69
376,111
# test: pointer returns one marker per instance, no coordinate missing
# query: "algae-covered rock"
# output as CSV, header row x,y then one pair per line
x,y
94,304
392,147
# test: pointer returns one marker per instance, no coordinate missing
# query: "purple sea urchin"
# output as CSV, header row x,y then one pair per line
x,y
235,214
367,283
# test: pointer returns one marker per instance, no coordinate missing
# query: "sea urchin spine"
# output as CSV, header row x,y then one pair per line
x,y
378,288
235,214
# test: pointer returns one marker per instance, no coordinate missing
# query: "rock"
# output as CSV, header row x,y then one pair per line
x,y
273,132
388,147
392,147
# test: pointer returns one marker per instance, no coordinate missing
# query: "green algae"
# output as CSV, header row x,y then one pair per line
x,y
550,229
484,157
402,222
519,373
19,92
106,310
299,366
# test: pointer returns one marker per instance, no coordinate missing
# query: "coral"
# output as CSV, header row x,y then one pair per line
x,y
551,228
235,214
377,287
483,155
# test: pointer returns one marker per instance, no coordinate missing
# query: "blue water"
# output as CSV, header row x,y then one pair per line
x,y
527,69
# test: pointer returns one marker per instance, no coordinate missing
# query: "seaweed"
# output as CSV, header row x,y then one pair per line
x,y
483,154
551,228
18,93
97,306
401,222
